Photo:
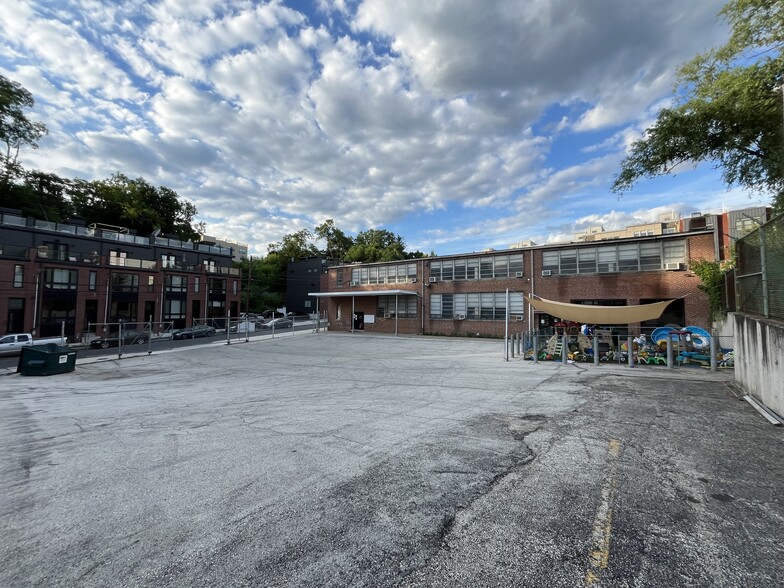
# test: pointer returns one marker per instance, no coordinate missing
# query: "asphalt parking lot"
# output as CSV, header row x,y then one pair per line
x,y
356,460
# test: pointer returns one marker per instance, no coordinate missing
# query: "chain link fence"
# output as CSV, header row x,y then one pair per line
x,y
759,274
152,336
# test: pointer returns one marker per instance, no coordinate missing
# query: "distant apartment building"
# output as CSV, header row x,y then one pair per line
x,y
239,250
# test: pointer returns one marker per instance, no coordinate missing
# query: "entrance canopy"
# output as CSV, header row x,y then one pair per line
x,y
600,315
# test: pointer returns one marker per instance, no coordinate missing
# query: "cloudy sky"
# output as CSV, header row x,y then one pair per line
x,y
458,124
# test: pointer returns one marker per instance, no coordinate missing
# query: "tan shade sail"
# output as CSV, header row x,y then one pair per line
x,y
600,315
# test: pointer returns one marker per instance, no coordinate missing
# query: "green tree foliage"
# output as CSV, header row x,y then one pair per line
x,y
711,274
119,200
376,245
135,204
295,246
337,242
728,109
16,130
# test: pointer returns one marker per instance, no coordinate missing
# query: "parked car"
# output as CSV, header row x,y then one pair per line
x,y
277,323
13,343
243,326
193,332
130,338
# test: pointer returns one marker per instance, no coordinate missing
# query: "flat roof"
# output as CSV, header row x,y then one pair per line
x,y
363,293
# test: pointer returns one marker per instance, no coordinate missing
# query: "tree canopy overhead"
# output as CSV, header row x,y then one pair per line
x,y
119,200
728,109
16,130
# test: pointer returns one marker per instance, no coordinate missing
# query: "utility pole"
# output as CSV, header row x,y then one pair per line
x,y
247,298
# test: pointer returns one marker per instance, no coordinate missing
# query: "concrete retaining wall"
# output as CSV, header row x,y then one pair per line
x,y
759,359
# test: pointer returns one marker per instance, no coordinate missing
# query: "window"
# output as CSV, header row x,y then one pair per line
x,y
460,269
117,258
487,305
628,258
569,261
151,283
18,276
447,270
373,275
92,281
125,282
607,259
435,270
650,256
217,286
210,266
168,261
499,308
515,264
550,261
472,269
60,279
472,306
176,283
339,278
406,306
174,309
486,267
586,261
234,287
674,251
196,283
501,266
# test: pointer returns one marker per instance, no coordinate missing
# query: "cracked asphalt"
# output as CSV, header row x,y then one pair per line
x,y
355,460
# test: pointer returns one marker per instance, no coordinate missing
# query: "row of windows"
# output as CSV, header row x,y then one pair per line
x,y
483,306
476,268
382,274
631,257
67,279
403,307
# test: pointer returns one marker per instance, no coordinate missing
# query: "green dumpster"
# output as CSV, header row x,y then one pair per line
x,y
45,360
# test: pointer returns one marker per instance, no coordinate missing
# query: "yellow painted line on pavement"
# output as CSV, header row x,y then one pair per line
x,y
599,555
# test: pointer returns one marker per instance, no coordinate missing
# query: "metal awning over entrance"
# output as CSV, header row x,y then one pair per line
x,y
354,293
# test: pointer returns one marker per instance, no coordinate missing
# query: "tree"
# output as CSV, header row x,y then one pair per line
x,y
135,204
16,130
728,109
294,246
336,240
376,245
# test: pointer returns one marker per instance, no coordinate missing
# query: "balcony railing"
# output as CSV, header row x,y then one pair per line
x,y
110,234
133,263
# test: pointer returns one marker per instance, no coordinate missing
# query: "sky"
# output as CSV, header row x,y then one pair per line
x,y
460,125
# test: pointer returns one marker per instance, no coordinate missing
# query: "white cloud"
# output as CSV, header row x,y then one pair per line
x,y
272,120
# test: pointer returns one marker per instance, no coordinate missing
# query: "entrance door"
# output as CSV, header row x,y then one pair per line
x,y
15,319
359,321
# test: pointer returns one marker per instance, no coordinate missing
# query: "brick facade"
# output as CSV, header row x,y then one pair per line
x,y
627,288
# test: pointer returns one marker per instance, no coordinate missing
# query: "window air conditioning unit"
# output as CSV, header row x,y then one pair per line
x,y
672,266
461,317
547,273
413,280
353,284
519,318
518,274
433,279
386,315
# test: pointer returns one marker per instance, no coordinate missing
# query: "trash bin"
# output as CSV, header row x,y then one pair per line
x,y
45,360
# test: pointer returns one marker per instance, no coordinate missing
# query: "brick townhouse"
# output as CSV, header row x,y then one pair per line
x,y
55,273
